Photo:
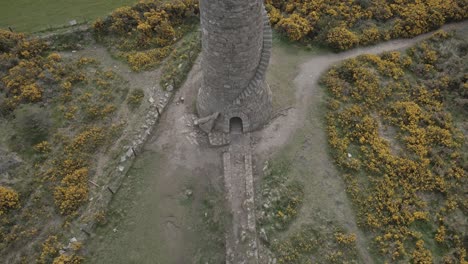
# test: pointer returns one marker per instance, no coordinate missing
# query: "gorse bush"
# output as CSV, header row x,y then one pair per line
x,y
21,69
143,60
72,191
144,34
9,199
42,94
68,259
341,38
50,249
345,24
391,130
31,73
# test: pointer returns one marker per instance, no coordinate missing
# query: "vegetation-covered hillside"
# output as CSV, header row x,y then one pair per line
x,y
144,34
57,114
345,24
397,127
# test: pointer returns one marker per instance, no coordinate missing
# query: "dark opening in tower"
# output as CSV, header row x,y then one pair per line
x,y
235,125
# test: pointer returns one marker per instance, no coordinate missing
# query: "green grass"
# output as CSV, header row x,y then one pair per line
x,y
36,15
284,66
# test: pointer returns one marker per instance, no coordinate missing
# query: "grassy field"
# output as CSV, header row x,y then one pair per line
x,y
31,16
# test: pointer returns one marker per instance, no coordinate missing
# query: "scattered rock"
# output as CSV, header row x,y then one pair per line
x,y
218,139
129,152
207,123
121,168
170,88
151,100
263,235
243,236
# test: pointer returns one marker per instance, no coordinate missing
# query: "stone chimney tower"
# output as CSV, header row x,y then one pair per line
x,y
236,41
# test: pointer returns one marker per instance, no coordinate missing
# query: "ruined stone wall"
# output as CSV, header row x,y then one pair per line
x,y
236,41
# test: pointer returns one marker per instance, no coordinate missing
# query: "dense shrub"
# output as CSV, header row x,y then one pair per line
x,y
294,26
20,68
50,249
143,60
68,259
341,38
144,33
391,130
31,73
72,191
9,199
341,24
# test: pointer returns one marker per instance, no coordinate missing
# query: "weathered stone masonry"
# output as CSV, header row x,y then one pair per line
x,y
236,41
